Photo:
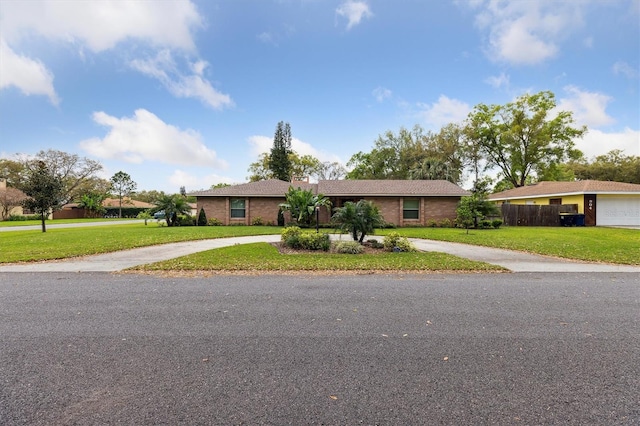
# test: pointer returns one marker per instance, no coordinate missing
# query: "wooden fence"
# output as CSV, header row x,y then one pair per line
x,y
535,215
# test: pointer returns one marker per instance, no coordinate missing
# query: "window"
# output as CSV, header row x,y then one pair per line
x,y
411,209
237,208
555,201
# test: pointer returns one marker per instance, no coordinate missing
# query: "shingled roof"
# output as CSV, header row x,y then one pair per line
x,y
337,188
262,188
545,189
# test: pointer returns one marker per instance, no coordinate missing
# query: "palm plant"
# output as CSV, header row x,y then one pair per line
x,y
359,219
302,204
172,205
92,203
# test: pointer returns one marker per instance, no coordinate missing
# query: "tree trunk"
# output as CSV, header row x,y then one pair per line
x,y
44,226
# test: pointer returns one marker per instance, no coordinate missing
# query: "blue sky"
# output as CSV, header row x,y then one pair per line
x,y
188,93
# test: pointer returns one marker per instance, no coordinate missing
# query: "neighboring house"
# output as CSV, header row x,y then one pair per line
x,y
401,202
73,211
8,200
602,203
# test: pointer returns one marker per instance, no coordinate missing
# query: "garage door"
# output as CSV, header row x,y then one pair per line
x,y
617,211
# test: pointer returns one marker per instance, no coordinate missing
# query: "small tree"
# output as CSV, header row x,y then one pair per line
x,y
45,190
202,218
302,204
465,213
359,219
122,186
172,205
92,203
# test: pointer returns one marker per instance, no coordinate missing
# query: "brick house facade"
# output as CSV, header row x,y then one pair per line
x,y
401,202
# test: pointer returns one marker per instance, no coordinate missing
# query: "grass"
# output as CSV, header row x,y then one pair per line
x,y
609,245
263,257
60,243
8,223
592,244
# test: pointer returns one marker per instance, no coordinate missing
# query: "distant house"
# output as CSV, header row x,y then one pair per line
x,y
603,203
401,202
112,205
9,195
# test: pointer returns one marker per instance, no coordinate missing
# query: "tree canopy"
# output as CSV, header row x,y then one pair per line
x,y
302,204
45,191
122,186
523,137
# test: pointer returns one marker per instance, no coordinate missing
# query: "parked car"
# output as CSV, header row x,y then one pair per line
x,y
159,215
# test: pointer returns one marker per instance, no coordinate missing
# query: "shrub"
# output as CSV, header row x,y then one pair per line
x,y
288,232
375,243
214,222
314,241
348,247
184,220
485,224
431,223
292,236
395,242
496,223
446,223
257,221
202,218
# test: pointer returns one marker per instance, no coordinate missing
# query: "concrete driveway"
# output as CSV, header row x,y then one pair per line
x,y
118,261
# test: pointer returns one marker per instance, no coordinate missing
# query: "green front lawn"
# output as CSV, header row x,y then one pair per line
x,y
60,243
263,257
593,244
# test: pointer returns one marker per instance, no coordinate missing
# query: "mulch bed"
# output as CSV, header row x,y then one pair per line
x,y
368,249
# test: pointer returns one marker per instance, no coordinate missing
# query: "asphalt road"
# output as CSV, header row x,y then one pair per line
x,y
522,348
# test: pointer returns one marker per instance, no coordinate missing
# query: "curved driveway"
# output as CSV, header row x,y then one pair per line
x,y
117,261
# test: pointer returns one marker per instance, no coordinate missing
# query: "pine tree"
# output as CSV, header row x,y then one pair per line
x,y
279,162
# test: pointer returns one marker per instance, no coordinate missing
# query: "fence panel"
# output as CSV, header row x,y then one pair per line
x,y
535,215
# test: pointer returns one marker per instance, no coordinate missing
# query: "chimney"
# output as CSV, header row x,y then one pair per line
x,y
300,179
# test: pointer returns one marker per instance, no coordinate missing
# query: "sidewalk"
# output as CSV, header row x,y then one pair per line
x,y
117,261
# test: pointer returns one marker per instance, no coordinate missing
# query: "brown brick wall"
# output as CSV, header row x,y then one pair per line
x,y
431,208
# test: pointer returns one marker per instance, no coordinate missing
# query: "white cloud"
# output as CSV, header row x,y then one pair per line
x,y
444,111
526,32
381,94
354,11
194,182
498,81
596,142
145,137
261,144
589,108
623,68
28,75
102,24
164,68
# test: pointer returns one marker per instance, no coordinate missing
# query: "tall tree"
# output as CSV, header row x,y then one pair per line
x,y
521,138
279,162
123,186
392,157
75,171
301,166
45,190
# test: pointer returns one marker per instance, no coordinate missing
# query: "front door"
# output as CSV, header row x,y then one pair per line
x,y
590,209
